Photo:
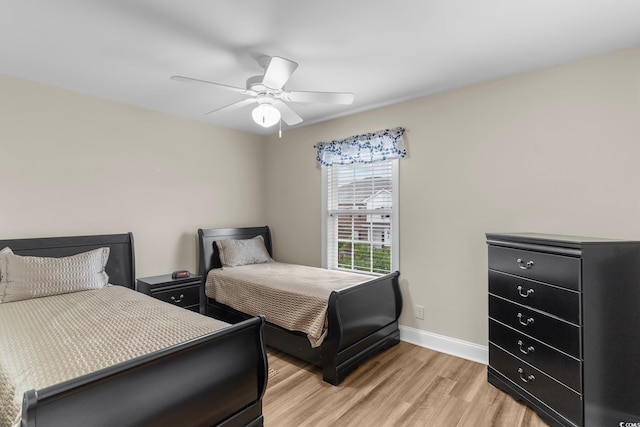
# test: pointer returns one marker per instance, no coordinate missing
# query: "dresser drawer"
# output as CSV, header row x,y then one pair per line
x,y
555,269
555,395
554,332
558,365
181,296
560,302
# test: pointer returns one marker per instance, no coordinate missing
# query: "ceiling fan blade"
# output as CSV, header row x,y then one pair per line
x,y
278,72
344,98
234,106
289,116
220,85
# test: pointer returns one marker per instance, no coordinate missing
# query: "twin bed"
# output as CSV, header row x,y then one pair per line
x,y
359,320
90,354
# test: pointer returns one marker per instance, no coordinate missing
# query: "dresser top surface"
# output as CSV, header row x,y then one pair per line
x,y
552,239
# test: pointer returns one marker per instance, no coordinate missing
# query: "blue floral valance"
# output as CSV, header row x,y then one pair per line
x,y
370,147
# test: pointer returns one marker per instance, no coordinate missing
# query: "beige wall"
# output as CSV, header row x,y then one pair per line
x,y
74,164
552,151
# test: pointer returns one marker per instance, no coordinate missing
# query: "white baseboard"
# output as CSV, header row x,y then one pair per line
x,y
443,344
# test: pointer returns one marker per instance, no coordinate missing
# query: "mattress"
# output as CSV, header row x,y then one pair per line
x,y
44,341
292,296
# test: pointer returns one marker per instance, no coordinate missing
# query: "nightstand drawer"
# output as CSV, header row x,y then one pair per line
x,y
555,395
183,296
555,269
183,292
560,302
554,332
556,364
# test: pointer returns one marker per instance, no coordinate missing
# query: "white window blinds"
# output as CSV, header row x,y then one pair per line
x,y
361,219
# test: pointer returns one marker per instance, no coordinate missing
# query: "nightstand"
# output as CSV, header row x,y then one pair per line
x,y
183,292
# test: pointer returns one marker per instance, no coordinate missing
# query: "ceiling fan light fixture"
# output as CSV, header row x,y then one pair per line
x,y
266,115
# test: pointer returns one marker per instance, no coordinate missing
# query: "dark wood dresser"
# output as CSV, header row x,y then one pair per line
x,y
564,326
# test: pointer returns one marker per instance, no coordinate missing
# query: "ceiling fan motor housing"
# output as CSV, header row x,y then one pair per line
x,y
265,98
255,83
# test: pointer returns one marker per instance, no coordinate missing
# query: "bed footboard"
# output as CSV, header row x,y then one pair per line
x,y
363,319
217,379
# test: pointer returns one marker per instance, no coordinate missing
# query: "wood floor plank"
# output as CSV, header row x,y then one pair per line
x,y
406,385
427,406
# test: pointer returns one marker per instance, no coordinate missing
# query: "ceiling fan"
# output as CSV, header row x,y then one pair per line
x,y
268,92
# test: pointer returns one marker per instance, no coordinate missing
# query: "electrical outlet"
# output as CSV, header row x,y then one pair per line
x,y
419,312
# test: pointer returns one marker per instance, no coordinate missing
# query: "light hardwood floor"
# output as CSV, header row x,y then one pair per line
x,y
406,385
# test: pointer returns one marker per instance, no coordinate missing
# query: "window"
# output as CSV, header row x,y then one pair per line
x,y
360,217
360,201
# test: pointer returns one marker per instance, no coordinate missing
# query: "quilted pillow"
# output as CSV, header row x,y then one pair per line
x,y
25,277
3,285
234,253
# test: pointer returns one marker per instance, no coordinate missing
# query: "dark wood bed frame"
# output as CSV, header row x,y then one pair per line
x,y
362,319
216,379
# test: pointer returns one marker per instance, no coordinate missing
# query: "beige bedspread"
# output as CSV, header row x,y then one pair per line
x,y
294,297
48,340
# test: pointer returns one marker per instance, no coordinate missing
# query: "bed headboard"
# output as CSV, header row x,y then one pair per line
x,y
121,264
208,251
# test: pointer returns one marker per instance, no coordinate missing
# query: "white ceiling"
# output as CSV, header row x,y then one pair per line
x,y
383,51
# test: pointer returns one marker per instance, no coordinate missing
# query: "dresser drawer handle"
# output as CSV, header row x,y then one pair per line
x,y
528,350
526,322
528,379
526,294
525,266
177,300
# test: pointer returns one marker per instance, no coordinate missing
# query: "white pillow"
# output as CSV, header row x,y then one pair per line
x,y
25,277
234,253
